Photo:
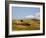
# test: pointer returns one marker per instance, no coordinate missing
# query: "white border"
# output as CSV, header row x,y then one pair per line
x,y
25,32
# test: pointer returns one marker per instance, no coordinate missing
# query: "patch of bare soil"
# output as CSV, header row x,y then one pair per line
x,y
22,26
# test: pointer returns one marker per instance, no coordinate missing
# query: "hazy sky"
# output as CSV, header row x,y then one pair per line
x,y
19,12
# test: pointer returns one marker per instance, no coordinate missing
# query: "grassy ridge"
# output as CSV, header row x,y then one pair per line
x,y
34,24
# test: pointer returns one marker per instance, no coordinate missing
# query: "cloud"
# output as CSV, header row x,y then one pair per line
x,y
35,16
29,16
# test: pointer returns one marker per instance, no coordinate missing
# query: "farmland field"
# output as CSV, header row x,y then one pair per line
x,y
25,24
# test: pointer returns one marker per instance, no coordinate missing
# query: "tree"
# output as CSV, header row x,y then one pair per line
x,y
21,20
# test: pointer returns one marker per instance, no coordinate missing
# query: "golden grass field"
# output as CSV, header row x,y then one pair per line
x,y
28,24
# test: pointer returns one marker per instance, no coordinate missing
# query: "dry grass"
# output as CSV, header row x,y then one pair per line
x,y
27,24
